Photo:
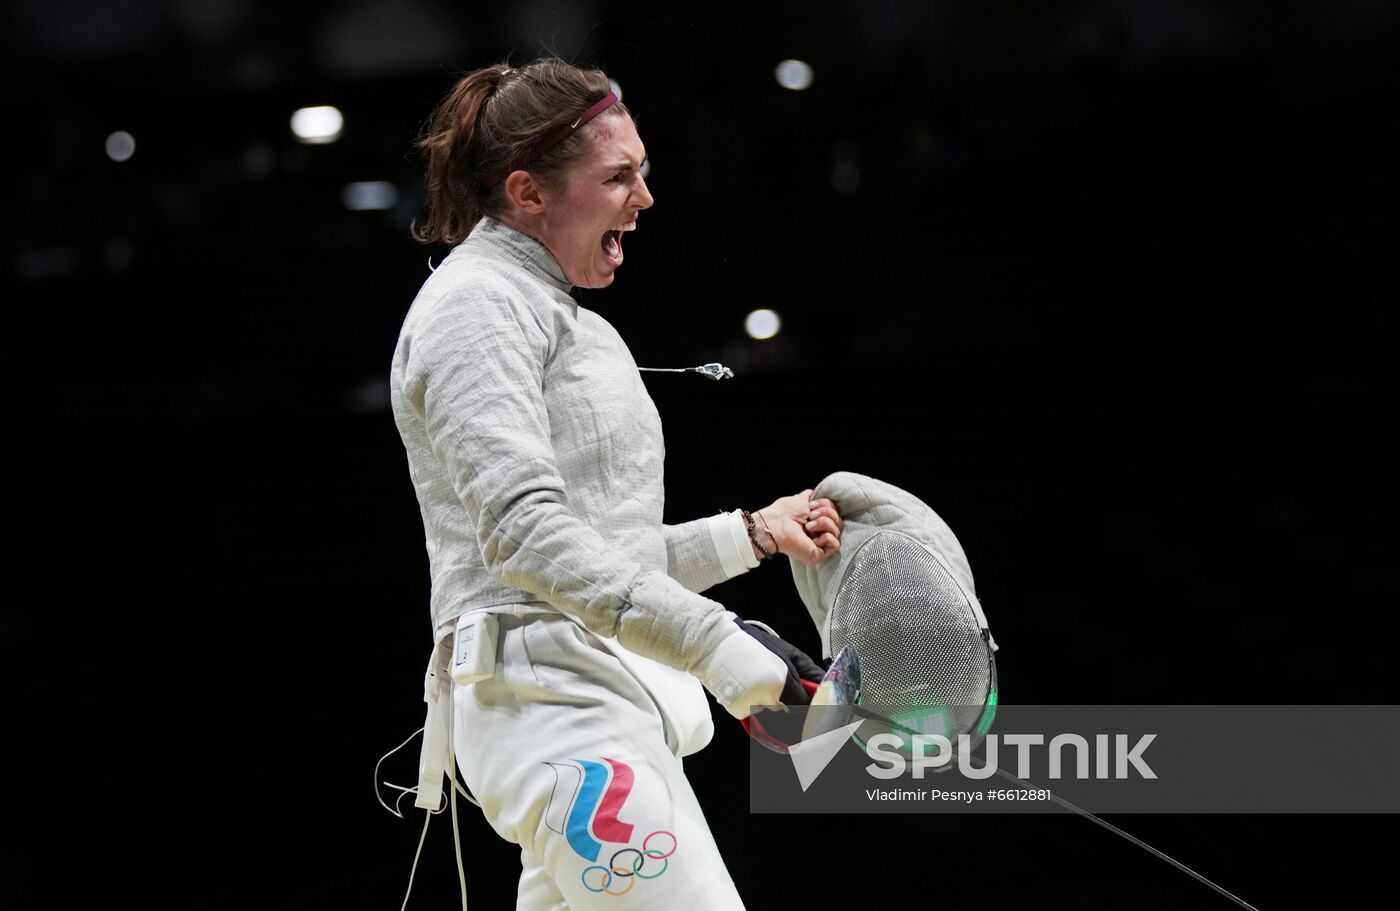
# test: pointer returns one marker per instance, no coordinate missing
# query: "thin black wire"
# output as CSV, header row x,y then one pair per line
x,y
980,764
1132,838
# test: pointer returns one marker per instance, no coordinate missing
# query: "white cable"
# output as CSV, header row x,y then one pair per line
x,y
406,791
764,626
452,801
457,844
399,787
427,818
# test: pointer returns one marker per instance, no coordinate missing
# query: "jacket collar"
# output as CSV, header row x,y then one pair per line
x,y
500,241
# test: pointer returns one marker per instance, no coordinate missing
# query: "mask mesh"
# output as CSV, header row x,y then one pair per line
x,y
918,640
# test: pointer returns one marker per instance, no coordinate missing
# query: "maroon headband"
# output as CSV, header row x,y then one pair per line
x,y
599,107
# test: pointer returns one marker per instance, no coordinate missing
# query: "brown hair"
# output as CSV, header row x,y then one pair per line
x,y
491,118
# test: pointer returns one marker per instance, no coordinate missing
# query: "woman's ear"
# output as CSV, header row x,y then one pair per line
x,y
524,192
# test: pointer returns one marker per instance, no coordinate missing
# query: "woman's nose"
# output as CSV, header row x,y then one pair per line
x,y
642,196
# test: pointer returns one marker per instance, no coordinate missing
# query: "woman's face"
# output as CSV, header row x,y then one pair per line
x,y
603,190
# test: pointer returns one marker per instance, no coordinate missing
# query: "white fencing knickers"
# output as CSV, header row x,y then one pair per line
x,y
567,752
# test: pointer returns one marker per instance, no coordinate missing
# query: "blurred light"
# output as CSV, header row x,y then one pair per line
x,y
121,145
845,167
645,169
369,195
258,160
845,177
118,254
762,324
318,124
616,89
47,262
793,74
369,396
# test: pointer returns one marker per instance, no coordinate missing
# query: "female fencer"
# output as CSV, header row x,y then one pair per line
x,y
581,639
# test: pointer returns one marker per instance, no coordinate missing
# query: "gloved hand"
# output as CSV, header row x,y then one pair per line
x,y
738,670
800,665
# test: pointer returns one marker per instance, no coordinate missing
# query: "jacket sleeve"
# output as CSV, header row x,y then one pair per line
x,y
705,552
474,372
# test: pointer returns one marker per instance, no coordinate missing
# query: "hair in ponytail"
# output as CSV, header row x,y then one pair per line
x,y
491,118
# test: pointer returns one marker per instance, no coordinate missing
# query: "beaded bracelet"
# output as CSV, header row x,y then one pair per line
x,y
753,536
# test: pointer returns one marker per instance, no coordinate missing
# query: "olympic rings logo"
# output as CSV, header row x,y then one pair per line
x,y
615,870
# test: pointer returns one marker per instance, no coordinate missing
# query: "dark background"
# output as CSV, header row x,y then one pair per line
x,y
1107,284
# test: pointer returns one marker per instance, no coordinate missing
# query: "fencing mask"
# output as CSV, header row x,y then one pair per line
x,y
913,654
896,605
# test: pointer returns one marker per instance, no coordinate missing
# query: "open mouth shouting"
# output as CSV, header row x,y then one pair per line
x,y
612,243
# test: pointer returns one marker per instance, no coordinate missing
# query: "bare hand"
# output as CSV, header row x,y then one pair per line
x,y
805,529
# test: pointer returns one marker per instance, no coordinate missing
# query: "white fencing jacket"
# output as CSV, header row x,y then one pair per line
x,y
536,455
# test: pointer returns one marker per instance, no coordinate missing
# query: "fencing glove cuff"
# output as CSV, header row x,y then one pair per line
x,y
738,670
800,665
